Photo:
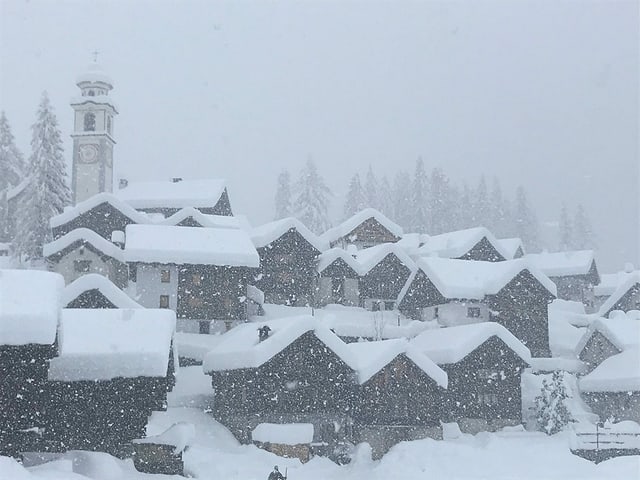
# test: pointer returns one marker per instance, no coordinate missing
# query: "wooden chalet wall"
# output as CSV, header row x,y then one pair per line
x,y
90,299
385,280
522,308
578,288
618,406
422,293
629,301
305,382
483,251
103,219
24,395
597,349
367,234
287,267
485,385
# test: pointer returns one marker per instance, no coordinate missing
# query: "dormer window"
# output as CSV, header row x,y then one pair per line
x,y
89,122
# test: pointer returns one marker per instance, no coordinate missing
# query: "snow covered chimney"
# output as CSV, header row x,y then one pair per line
x,y
123,183
628,267
117,238
263,332
176,179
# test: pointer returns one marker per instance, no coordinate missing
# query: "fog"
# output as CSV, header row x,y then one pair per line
x,y
543,94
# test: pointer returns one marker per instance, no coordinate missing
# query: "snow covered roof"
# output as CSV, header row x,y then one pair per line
x,y
70,213
629,282
370,257
241,348
511,246
179,435
346,227
609,282
618,373
458,243
94,281
29,306
452,344
371,357
214,221
94,73
284,434
327,257
561,264
102,344
267,233
202,246
622,330
86,237
464,279
170,194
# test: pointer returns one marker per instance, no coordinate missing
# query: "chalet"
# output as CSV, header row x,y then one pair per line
x,y
626,296
201,273
513,247
484,363
338,278
29,316
82,251
609,282
192,217
471,244
288,251
574,273
209,196
95,291
365,229
400,394
291,370
384,270
114,368
457,292
102,213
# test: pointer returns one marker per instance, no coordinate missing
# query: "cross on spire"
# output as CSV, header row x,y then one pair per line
x,y
95,54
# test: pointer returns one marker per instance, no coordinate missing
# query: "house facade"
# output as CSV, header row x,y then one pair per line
x,y
365,229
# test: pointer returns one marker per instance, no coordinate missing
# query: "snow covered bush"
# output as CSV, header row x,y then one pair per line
x,y
552,413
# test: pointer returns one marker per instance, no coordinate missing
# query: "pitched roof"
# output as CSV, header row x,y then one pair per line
x,y
511,246
267,233
609,282
169,194
618,373
84,236
452,344
357,219
71,213
94,281
327,257
214,221
458,243
560,264
203,246
29,306
622,330
629,282
101,344
370,257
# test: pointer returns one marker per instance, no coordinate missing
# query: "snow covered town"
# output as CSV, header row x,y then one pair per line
x,y
162,334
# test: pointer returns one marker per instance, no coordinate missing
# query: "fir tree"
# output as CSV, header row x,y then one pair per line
x,y
419,214
497,211
439,202
565,230
583,236
481,216
552,413
385,197
355,200
466,208
312,199
46,192
401,197
12,171
283,195
371,190
526,223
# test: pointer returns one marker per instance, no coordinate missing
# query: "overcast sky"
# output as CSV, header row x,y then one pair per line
x,y
541,93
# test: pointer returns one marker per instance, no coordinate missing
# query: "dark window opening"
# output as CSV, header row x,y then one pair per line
x,y
473,312
165,276
164,301
82,266
89,122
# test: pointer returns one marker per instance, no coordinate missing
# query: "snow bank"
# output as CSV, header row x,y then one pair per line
x,y
618,373
94,281
179,435
109,343
346,227
204,246
561,264
169,194
29,306
85,237
285,434
267,233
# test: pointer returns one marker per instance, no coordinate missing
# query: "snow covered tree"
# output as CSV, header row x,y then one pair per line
x,y
526,223
552,413
12,171
355,200
283,195
481,207
385,198
583,236
312,199
498,215
401,197
565,230
372,190
466,208
439,202
418,207
46,192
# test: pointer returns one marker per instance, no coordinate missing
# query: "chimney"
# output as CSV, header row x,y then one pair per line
x,y
263,333
176,179
117,238
123,183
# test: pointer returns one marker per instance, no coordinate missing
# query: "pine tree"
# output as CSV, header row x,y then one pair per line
x,y
371,190
439,202
312,199
552,413
355,200
582,232
466,208
497,211
385,198
12,172
418,206
526,223
283,195
481,216
46,192
565,230
402,199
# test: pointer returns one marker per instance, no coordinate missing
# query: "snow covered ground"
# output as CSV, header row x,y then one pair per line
x,y
215,454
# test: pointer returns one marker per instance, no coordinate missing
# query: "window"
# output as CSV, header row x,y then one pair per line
x,y
109,124
196,279
473,312
89,122
164,301
487,374
436,312
489,399
91,93
82,266
165,276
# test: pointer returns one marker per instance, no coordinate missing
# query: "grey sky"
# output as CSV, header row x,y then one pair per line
x,y
543,93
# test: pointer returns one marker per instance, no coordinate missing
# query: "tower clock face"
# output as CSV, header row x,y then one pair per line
x,y
88,153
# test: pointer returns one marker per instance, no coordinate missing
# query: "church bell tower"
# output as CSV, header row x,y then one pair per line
x,y
94,113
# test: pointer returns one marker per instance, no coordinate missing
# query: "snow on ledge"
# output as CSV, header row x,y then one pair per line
x,y
284,434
